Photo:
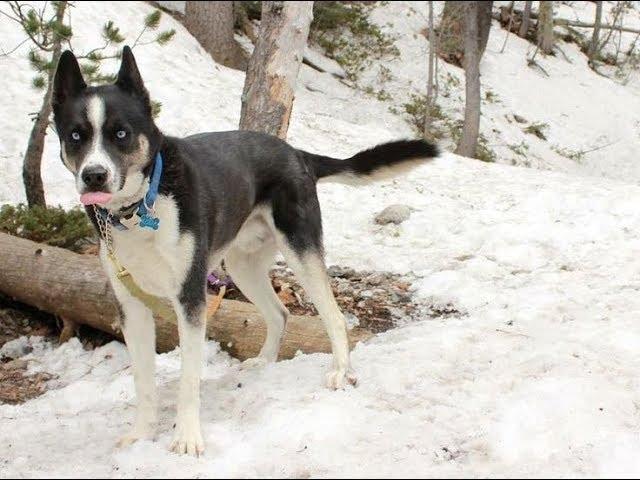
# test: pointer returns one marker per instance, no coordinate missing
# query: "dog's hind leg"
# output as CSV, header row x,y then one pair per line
x,y
310,270
250,272
299,237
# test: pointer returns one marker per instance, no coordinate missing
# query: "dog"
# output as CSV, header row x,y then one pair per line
x,y
236,196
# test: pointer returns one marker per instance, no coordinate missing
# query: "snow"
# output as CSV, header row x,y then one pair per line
x,y
537,373
317,59
583,110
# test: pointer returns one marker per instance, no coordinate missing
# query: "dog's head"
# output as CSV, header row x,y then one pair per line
x,y
107,134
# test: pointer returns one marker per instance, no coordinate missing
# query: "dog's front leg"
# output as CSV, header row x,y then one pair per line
x,y
139,334
191,327
139,331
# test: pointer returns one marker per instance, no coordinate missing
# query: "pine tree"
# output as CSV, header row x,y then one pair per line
x,y
48,32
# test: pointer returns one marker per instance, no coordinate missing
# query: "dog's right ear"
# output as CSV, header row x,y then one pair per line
x,y
68,81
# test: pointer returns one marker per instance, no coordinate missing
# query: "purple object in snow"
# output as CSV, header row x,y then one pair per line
x,y
216,282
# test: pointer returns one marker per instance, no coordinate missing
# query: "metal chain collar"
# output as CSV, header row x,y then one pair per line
x,y
104,225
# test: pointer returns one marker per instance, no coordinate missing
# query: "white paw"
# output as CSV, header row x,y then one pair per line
x,y
254,363
187,441
135,435
340,378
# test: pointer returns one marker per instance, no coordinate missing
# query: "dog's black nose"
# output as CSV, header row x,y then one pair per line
x,y
94,176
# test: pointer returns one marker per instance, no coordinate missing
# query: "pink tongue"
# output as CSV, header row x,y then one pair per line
x,y
91,198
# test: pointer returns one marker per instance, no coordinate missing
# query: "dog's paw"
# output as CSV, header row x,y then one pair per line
x,y
340,378
188,441
134,436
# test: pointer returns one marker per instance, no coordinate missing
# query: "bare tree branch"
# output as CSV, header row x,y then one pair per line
x,y
504,45
4,54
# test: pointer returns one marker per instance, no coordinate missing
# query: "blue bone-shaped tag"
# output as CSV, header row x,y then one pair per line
x,y
146,220
149,222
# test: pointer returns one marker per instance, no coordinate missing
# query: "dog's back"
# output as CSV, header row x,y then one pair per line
x,y
240,170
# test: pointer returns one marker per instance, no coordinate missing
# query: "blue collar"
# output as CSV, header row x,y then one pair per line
x,y
145,206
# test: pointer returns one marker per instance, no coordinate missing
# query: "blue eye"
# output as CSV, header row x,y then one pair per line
x,y
121,134
75,136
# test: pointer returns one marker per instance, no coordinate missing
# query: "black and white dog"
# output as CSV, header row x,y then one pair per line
x,y
235,196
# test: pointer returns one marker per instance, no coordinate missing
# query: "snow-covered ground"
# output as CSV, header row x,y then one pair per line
x,y
584,111
537,375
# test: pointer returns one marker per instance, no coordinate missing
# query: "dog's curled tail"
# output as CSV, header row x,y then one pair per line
x,y
378,163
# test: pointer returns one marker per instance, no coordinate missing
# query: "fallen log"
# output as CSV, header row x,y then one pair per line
x,y
576,23
503,17
74,287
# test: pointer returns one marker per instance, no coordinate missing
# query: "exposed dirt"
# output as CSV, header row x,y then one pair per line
x,y
17,320
378,300
16,385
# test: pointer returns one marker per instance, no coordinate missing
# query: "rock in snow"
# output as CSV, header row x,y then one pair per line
x,y
393,214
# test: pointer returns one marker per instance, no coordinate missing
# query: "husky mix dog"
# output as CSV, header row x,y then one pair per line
x,y
236,196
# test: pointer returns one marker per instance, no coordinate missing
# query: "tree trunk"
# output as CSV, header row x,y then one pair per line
x,y
211,23
484,25
595,38
31,167
545,27
269,87
451,31
469,138
451,46
243,20
432,47
617,16
526,16
74,287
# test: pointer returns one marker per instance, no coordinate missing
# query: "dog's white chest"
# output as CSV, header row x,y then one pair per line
x,y
158,260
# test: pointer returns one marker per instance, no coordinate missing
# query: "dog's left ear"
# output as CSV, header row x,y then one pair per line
x,y
129,78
